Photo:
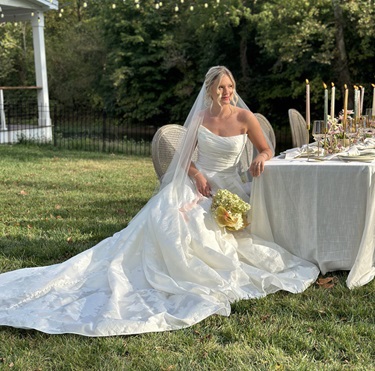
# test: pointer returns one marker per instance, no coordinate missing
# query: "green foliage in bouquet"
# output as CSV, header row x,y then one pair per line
x,y
229,210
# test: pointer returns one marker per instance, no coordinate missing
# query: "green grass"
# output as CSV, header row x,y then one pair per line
x,y
55,204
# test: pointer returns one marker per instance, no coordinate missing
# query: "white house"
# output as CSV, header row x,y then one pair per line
x,y
29,11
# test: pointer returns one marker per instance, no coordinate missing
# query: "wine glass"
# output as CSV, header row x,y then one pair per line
x,y
351,129
370,113
364,127
319,131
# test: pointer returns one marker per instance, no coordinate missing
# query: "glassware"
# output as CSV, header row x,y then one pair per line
x,y
351,129
364,127
371,121
319,131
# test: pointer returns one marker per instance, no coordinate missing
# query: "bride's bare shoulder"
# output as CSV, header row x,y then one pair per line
x,y
245,115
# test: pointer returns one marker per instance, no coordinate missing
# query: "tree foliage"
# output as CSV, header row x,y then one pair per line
x,y
148,63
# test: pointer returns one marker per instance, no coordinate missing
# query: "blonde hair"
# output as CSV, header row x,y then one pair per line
x,y
216,73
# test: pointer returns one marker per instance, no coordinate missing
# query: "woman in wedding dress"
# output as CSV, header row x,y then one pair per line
x,y
173,265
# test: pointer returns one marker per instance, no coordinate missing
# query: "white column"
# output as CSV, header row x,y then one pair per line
x,y
2,112
37,23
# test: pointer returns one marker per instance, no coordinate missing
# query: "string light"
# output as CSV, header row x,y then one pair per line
x,y
157,4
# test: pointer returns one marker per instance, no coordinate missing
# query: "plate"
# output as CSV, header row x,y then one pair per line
x,y
362,158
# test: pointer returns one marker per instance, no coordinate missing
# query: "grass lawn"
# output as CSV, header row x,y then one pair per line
x,y
57,203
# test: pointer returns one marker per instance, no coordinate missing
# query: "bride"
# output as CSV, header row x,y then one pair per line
x,y
172,266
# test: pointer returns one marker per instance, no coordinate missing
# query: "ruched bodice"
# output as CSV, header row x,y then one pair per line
x,y
218,159
220,154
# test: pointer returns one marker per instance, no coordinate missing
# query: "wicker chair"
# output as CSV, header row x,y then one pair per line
x,y
267,129
164,144
300,134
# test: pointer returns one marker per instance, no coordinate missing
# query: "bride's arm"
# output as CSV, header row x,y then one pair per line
x,y
201,182
256,136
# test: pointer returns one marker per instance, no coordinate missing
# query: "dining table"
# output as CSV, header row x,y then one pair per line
x,y
320,210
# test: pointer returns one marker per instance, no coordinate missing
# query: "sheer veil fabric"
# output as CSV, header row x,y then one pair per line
x,y
170,268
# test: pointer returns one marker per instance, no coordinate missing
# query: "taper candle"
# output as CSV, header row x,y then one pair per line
x,y
307,105
346,96
355,101
333,91
325,102
362,99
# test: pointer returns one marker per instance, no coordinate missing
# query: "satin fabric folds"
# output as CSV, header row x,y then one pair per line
x,y
170,268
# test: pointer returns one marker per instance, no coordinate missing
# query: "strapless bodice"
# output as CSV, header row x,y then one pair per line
x,y
219,154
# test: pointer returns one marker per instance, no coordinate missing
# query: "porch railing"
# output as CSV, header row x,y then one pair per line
x,y
3,125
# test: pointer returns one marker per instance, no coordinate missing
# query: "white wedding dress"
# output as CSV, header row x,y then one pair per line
x,y
170,268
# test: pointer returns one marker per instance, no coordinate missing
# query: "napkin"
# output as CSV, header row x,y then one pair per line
x,y
368,143
352,151
304,151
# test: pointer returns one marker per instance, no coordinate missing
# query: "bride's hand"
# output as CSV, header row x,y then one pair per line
x,y
202,185
257,166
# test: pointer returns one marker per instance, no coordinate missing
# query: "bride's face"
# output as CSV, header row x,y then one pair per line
x,y
222,90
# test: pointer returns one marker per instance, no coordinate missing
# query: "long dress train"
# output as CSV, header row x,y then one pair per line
x,y
170,268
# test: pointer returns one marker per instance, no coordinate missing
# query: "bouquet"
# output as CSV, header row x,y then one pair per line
x,y
229,210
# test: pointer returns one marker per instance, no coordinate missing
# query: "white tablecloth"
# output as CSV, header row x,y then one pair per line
x,y
321,211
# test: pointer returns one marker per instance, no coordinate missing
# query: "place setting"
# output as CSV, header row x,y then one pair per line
x,y
348,137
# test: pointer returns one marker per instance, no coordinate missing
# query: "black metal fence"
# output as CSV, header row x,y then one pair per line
x,y
100,131
90,130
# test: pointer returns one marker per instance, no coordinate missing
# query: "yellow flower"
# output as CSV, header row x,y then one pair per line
x,y
229,210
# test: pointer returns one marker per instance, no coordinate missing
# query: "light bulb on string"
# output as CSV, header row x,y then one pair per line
x,y
182,1
176,8
205,5
60,15
191,7
32,14
85,4
113,6
156,6
160,3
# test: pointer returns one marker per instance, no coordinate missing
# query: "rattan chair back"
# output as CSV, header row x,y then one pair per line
x,y
300,134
